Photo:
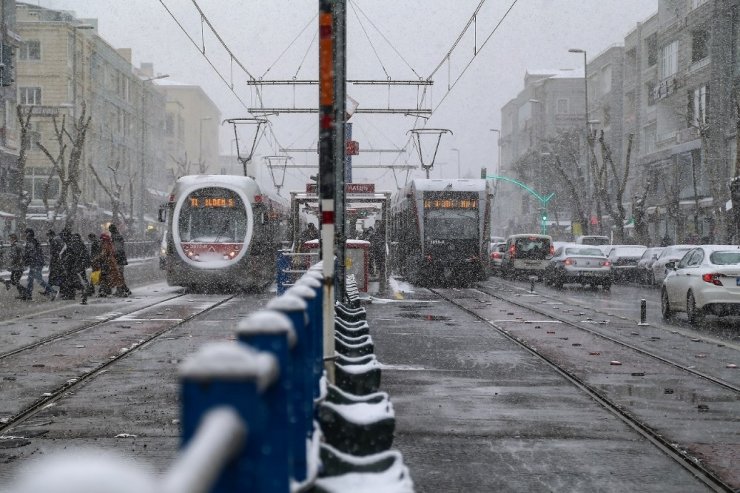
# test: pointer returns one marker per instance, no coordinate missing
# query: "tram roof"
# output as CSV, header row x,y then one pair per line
x,y
462,184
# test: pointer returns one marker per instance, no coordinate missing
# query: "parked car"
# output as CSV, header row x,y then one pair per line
x,y
624,261
496,256
594,240
705,281
526,254
672,253
644,265
581,264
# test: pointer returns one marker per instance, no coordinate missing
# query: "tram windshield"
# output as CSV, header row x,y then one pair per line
x,y
213,215
451,224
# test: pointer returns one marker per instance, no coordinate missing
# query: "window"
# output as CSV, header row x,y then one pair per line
x,y
669,62
652,49
29,95
562,106
30,50
606,79
35,182
699,45
648,138
697,106
169,125
650,89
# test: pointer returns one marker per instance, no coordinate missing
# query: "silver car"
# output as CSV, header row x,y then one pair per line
x,y
672,253
644,265
580,264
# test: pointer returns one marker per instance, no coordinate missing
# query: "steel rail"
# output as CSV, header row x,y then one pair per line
x,y
645,352
82,328
62,390
702,474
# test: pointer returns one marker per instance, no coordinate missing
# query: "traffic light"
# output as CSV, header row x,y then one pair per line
x,y
483,173
543,214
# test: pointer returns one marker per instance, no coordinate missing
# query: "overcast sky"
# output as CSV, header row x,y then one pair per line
x,y
536,34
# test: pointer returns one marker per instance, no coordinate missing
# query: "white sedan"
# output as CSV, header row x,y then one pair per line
x,y
706,280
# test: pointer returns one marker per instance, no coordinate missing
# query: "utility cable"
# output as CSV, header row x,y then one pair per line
x,y
369,40
474,56
385,38
290,45
457,41
305,55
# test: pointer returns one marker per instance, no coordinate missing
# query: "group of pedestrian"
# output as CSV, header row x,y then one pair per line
x,y
69,259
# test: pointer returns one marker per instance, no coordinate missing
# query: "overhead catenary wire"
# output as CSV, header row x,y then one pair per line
x,y
369,40
290,45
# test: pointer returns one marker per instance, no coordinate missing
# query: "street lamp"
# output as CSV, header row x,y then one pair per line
x,y
200,144
588,171
144,145
459,175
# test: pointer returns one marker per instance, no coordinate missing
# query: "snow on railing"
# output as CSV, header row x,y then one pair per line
x,y
259,415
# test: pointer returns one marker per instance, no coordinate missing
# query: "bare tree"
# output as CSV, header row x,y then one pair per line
x,y
24,119
612,198
113,190
68,170
183,165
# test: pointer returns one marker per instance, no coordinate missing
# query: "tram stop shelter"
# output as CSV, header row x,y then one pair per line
x,y
361,202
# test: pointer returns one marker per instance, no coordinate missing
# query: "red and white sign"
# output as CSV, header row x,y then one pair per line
x,y
348,188
353,148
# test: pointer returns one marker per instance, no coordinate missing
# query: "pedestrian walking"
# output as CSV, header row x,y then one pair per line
x,y
16,265
110,275
79,267
33,257
56,270
119,249
94,262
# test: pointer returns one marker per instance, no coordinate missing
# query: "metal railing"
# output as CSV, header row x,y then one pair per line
x,y
252,410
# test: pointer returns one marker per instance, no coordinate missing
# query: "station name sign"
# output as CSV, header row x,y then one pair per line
x,y
348,188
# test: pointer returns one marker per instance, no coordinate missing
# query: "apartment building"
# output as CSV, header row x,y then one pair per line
x,y
552,102
64,69
9,42
671,88
191,130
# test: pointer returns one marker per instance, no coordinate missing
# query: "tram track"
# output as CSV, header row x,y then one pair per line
x,y
59,391
683,367
76,330
649,432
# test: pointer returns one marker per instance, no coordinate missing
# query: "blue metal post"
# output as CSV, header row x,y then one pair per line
x,y
282,277
272,332
295,309
311,280
225,374
314,328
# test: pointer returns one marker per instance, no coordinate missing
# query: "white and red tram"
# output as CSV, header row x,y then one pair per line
x,y
222,233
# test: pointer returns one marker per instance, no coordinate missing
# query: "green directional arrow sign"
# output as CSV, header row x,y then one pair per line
x,y
541,198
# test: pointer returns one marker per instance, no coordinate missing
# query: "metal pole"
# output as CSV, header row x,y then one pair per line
x,y
340,146
588,167
327,185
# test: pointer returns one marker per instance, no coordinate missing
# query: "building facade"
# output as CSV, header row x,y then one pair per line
x,y
191,131
66,70
671,91
9,182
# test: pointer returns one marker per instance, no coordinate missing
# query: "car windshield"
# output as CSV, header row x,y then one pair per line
x,y
676,252
595,240
725,257
532,247
587,252
629,252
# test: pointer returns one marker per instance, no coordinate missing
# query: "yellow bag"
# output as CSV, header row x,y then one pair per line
x,y
95,277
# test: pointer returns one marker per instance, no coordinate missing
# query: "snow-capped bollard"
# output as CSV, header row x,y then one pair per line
x,y
358,375
282,277
350,314
233,375
272,332
361,428
384,472
315,331
361,348
295,309
352,329
532,280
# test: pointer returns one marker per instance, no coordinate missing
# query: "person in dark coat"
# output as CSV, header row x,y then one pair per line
x,y
56,271
119,249
16,265
33,257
